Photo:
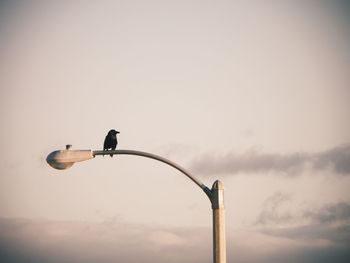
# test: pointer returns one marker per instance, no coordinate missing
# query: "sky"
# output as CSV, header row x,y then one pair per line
x,y
253,93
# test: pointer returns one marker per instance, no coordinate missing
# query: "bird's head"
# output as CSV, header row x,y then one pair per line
x,y
113,132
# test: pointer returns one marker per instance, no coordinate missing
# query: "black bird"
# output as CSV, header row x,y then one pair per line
x,y
110,141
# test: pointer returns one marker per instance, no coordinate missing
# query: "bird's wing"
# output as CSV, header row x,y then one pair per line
x,y
106,143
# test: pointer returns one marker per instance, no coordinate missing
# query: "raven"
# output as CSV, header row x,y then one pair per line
x,y
110,141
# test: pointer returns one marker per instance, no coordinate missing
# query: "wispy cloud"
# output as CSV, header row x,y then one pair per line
x,y
329,223
24,240
330,213
271,210
276,211
337,160
333,235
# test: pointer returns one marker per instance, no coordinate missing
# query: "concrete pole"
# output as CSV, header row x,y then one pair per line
x,y
219,239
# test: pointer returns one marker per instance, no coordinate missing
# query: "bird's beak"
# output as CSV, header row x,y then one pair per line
x,y
118,132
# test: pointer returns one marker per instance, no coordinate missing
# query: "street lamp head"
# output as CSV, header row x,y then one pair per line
x,y
64,159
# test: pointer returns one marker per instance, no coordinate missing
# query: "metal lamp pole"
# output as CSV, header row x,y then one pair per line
x,y
63,159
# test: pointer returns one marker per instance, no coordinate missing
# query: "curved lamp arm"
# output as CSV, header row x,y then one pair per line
x,y
161,159
64,159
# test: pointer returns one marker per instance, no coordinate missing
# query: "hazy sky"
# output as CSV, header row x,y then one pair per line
x,y
254,93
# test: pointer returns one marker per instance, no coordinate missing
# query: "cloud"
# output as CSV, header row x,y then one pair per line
x,y
337,160
271,210
330,213
276,211
330,223
26,240
336,235
318,235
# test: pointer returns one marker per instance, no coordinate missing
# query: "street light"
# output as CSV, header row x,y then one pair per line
x,y
64,159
